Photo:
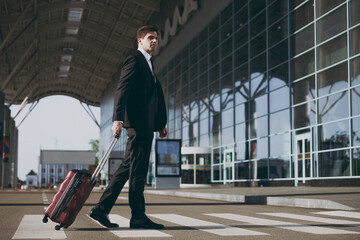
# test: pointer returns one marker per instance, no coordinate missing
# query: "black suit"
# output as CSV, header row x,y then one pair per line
x,y
140,105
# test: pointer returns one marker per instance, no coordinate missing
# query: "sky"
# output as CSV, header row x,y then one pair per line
x,y
57,122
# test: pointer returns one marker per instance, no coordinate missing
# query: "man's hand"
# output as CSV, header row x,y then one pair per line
x,y
163,133
116,128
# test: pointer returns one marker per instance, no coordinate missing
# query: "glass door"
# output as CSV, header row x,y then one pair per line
x,y
228,166
304,163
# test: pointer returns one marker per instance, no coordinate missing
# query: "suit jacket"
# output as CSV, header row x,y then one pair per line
x,y
139,101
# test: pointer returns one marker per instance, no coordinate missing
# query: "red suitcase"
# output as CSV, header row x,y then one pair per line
x,y
73,193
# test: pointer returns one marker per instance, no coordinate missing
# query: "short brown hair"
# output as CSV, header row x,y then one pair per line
x,y
142,31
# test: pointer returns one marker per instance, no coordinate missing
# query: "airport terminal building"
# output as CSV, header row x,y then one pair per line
x,y
261,91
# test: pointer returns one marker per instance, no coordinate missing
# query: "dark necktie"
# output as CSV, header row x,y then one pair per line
x,y
153,69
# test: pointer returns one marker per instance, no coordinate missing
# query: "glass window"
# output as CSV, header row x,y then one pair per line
x,y
185,92
356,132
227,135
355,71
256,6
303,90
279,167
240,113
303,65
214,57
332,52
214,73
204,141
227,65
242,169
279,99
240,4
226,47
302,40
294,4
354,12
258,85
334,135
240,132
203,65
333,79
227,29
331,24
241,18
227,118
278,32
258,65
279,76
258,45
356,162
257,25
261,148
278,54
194,57
241,37
259,169
241,56
323,6
241,82
193,71
204,126
204,48
355,101
279,145
214,40
194,89
333,107
203,83
355,41
279,122
302,16
334,163
277,10
304,115
261,127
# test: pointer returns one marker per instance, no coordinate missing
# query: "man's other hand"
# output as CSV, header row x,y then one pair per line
x,y
163,133
116,128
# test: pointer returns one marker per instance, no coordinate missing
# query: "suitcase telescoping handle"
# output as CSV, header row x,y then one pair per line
x,y
104,158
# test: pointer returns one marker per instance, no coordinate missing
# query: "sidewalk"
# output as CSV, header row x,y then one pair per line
x,y
334,198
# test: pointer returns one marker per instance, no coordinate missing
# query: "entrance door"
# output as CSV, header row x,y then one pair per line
x,y
304,163
228,165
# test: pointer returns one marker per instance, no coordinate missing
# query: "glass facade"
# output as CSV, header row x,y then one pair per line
x,y
273,88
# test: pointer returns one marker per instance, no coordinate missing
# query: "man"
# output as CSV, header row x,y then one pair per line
x,y
139,106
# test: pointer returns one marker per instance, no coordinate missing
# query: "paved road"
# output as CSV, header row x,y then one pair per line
x,y
184,218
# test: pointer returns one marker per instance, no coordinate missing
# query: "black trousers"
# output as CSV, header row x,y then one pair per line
x,y
134,168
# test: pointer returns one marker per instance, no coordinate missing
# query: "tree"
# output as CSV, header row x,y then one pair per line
x,y
94,143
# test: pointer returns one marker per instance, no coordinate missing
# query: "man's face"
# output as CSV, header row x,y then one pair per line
x,y
149,42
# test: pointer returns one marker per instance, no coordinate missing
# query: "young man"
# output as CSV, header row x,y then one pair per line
x,y
139,107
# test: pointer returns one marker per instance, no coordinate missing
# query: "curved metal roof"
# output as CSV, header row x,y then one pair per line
x,y
73,48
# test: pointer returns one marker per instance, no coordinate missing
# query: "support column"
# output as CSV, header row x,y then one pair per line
x,y
2,101
6,167
13,154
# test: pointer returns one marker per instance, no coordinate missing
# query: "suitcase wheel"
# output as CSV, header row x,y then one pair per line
x,y
57,227
45,219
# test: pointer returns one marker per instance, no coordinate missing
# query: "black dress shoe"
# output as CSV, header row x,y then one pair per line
x,y
102,218
144,223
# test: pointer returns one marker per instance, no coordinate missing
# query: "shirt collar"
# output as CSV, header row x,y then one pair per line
x,y
146,55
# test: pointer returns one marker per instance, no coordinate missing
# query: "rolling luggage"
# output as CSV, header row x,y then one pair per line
x,y
72,194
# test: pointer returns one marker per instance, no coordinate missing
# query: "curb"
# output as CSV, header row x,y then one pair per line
x,y
263,200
